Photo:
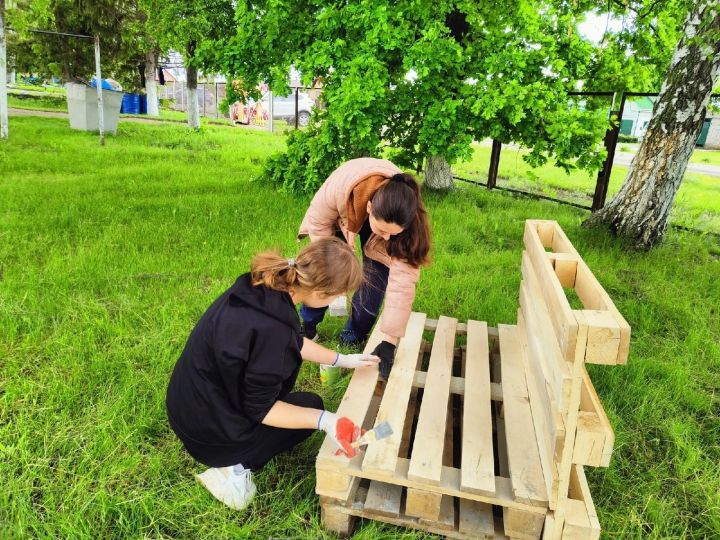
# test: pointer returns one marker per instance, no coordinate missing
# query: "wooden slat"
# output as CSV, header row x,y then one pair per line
x,y
592,294
354,404
565,266
446,517
590,402
449,485
522,525
381,456
421,503
383,499
566,454
564,323
543,418
477,467
476,518
542,341
580,490
426,460
431,324
526,472
457,385
603,337
404,521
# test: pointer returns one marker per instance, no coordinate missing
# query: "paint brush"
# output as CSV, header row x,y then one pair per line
x,y
381,431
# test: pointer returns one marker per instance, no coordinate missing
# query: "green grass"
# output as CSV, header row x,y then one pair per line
x,y
38,103
697,204
109,255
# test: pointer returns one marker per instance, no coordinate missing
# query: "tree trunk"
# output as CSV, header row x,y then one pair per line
x,y
437,173
3,76
192,100
641,208
150,84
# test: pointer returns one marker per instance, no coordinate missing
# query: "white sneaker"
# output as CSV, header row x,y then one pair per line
x,y
233,485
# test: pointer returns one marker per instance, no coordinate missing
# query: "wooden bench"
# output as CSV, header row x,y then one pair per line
x,y
492,426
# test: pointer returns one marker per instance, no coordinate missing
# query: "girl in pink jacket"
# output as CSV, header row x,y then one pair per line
x,y
373,199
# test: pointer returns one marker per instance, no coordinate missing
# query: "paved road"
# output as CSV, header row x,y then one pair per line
x,y
624,158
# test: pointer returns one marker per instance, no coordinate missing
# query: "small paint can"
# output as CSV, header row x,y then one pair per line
x,y
329,375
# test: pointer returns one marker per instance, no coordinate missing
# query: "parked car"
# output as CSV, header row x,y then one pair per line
x,y
284,108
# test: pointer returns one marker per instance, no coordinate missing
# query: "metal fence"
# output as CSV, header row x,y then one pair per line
x,y
209,97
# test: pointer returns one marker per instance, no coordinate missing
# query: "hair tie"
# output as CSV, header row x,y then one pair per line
x,y
291,263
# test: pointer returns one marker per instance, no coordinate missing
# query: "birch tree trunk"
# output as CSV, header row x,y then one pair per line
x,y
437,173
192,99
641,208
3,76
151,84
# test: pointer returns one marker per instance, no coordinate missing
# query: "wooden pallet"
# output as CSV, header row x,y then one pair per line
x,y
492,426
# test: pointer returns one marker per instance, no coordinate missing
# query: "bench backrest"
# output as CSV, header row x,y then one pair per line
x,y
570,424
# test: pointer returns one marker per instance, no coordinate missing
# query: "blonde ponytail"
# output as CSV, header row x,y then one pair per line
x,y
328,266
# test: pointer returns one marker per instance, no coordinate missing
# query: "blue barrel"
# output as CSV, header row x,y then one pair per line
x,y
130,104
143,104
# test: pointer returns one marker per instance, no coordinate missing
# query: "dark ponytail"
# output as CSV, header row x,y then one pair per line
x,y
400,202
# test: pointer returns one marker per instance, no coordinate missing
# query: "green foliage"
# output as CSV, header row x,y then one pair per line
x,y
109,255
118,23
480,70
183,25
636,57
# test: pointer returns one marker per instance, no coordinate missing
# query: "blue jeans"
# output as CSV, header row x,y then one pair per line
x,y
366,301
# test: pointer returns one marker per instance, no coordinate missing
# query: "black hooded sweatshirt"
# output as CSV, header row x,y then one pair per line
x,y
242,356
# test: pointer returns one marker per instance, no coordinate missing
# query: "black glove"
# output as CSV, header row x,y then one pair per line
x,y
386,351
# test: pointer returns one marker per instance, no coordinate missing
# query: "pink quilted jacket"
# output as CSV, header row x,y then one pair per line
x,y
327,214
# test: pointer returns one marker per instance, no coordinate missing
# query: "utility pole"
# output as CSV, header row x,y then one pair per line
x,y
98,80
3,76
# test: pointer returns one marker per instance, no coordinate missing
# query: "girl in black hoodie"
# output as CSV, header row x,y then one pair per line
x,y
230,398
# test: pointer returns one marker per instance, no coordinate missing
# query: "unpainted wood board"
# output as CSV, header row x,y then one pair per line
x,y
477,465
426,460
591,402
564,322
603,343
382,455
476,517
457,385
522,525
526,472
423,504
543,346
383,499
541,406
570,427
355,402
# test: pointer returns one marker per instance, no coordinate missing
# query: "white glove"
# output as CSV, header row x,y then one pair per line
x,y
353,361
341,430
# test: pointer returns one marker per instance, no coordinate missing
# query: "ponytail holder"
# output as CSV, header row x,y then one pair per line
x,y
291,263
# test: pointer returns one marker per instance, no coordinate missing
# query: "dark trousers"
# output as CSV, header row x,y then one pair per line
x,y
366,301
263,444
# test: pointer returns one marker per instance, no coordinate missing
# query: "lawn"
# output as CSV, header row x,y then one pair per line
x,y
109,255
697,205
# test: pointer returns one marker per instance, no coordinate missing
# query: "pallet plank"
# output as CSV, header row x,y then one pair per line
x,y
544,347
564,323
526,473
477,469
426,460
384,499
476,518
381,456
542,417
